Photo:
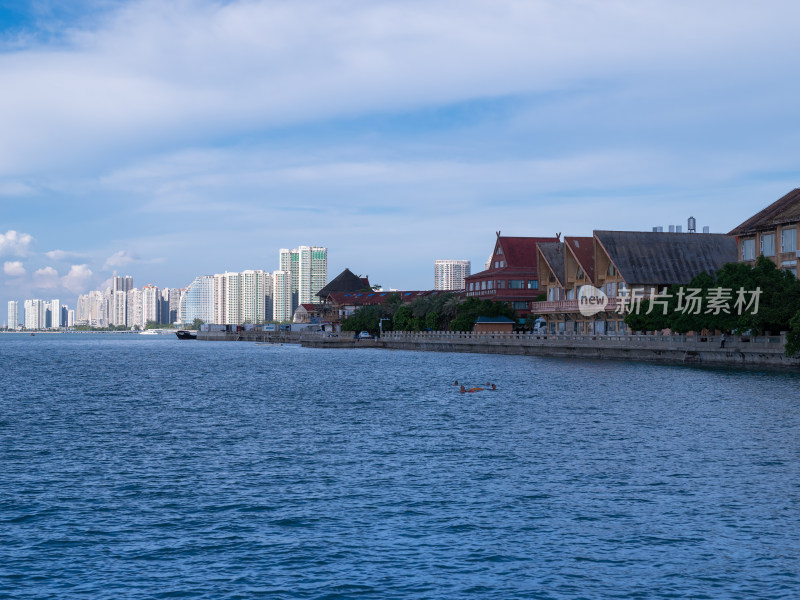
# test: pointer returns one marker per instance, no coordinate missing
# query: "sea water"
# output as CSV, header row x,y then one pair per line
x,y
148,467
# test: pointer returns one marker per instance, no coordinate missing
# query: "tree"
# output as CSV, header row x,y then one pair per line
x,y
793,336
197,323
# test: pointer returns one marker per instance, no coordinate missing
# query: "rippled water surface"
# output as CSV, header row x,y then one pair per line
x,y
146,467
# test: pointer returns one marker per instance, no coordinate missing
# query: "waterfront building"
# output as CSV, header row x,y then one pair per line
x,y
71,318
174,304
92,309
512,276
772,232
450,274
197,301
13,314
121,284
617,262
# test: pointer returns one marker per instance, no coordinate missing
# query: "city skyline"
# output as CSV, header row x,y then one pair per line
x,y
202,136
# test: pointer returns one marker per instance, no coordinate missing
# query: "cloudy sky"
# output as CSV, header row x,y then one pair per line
x,y
170,139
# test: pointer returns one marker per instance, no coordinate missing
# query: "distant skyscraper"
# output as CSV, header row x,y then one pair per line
x,y
307,268
55,314
151,301
197,301
35,314
119,308
282,296
70,318
13,314
135,308
450,274
255,291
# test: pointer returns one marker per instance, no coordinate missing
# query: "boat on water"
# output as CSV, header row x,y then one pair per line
x,y
151,332
183,334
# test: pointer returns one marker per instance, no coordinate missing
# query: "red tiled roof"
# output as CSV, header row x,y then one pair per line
x,y
583,250
309,306
521,251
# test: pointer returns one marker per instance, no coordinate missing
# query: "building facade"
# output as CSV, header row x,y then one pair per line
x,y
512,276
13,314
450,274
772,232
307,269
197,302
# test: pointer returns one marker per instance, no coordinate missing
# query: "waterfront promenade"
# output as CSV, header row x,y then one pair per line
x,y
755,351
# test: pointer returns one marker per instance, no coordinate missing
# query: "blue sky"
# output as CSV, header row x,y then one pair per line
x,y
168,140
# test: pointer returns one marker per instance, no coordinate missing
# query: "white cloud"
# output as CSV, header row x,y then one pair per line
x,y
157,73
13,268
63,255
46,278
120,259
78,278
15,243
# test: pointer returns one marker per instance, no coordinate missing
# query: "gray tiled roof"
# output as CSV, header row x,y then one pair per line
x,y
553,253
783,210
644,257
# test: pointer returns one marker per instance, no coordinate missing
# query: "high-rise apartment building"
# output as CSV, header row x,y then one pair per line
x,y
197,301
282,296
71,318
135,308
55,314
151,305
450,274
307,269
35,316
255,295
13,314
119,308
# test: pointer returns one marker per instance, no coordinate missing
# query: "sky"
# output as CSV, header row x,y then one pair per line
x,y
167,140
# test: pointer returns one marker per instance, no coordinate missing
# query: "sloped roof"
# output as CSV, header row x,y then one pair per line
x,y
784,210
582,249
644,257
346,281
553,253
521,251
367,298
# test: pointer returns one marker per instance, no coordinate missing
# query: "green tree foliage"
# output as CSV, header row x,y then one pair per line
x,y
473,308
793,337
778,303
197,323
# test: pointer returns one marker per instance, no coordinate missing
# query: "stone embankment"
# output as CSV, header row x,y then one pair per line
x,y
760,351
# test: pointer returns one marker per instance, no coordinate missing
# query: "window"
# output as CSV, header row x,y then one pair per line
x,y
571,294
611,270
533,284
748,249
497,264
516,284
579,274
483,285
499,250
489,285
768,244
501,284
519,305
471,286
789,240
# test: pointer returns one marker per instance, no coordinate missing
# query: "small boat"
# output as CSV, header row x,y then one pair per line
x,y
183,334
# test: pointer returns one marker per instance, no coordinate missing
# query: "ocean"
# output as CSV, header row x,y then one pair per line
x,y
147,467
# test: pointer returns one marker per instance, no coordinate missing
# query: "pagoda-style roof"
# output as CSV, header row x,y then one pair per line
x,y
345,282
553,254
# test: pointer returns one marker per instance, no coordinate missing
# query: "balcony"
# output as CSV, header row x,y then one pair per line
x,y
550,307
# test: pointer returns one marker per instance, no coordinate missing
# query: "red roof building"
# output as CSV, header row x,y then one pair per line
x,y
513,274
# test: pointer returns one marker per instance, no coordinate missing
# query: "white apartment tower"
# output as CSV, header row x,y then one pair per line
x,y
13,314
55,314
307,268
282,296
450,274
151,299
135,308
34,314
255,293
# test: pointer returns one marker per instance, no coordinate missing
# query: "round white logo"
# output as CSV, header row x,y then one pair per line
x,y
591,300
